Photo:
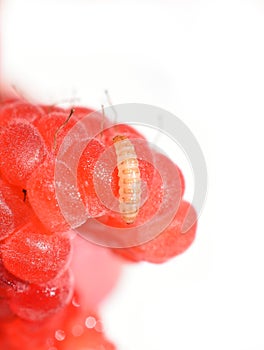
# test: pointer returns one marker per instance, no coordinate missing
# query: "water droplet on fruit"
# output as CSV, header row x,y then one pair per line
x,y
75,302
60,335
90,322
99,326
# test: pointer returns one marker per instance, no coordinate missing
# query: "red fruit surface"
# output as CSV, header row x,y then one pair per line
x,y
13,211
42,197
22,150
6,313
8,282
19,109
170,243
49,124
37,302
33,255
4,285
85,178
6,220
21,334
54,126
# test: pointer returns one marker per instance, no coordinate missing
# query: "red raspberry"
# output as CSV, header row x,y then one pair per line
x,y
22,150
41,194
30,252
18,109
14,213
170,243
37,302
8,282
6,314
85,176
48,126
33,255
55,125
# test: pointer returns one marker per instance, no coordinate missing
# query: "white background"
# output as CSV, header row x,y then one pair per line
x,y
204,62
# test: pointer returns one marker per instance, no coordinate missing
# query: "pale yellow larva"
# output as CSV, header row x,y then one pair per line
x,y
129,178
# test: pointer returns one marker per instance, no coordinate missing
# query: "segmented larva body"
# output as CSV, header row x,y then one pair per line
x,y
129,178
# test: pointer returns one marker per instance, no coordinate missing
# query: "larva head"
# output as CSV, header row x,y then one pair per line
x,y
118,138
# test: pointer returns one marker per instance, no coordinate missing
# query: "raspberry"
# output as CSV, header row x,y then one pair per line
x,y
6,220
170,243
18,109
41,194
49,124
13,211
34,256
55,121
85,177
22,150
37,302
8,282
6,313
5,282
